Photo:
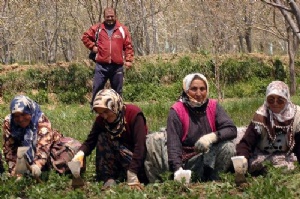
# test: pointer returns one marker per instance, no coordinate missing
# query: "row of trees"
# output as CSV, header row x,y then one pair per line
x,y
49,31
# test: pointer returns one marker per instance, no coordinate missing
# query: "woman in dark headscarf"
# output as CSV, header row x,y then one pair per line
x,y
273,134
199,132
119,133
27,126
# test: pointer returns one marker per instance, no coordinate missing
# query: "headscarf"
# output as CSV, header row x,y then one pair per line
x,y
288,112
110,99
27,135
188,100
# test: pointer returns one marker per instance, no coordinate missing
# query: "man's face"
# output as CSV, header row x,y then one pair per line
x,y
109,17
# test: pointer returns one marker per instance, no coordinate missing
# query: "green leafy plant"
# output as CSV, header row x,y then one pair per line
x,y
279,70
76,121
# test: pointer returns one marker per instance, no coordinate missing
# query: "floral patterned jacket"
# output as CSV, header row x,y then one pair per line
x,y
45,138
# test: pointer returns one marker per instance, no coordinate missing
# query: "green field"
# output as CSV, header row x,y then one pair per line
x,y
153,85
76,120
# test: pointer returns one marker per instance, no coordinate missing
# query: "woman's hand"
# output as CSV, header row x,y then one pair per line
x,y
204,142
79,157
133,181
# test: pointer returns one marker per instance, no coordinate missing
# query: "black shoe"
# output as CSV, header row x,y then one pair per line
x,y
1,168
214,176
108,184
262,172
240,179
210,174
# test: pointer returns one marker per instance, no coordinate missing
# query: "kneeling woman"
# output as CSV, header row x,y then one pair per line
x,y
119,133
199,132
27,126
273,134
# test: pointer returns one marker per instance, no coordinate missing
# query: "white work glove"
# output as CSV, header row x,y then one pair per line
x,y
35,170
278,160
204,142
181,174
133,181
240,164
79,157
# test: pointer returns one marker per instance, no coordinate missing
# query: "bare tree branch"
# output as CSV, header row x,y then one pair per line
x,y
280,6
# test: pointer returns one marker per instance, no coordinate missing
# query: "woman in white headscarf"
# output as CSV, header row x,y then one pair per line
x,y
273,133
199,132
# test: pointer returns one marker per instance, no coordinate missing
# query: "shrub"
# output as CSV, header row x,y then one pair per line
x,y
70,84
279,70
37,79
40,97
152,80
233,71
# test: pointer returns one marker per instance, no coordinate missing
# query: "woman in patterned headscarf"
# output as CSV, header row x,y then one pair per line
x,y
199,132
273,133
119,133
27,126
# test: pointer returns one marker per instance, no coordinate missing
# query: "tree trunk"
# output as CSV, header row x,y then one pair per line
x,y
293,44
154,32
248,39
145,29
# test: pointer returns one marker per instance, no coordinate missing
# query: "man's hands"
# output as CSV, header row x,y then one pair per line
x,y
95,49
128,64
205,142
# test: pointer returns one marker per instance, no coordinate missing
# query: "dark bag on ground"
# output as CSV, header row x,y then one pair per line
x,y
63,152
1,164
92,56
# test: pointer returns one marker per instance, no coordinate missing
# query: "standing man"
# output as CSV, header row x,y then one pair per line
x,y
111,41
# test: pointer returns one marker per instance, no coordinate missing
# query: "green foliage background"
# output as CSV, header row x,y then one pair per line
x,y
154,85
158,79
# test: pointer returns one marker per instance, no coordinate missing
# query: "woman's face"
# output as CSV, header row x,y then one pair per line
x,y
22,119
198,90
276,103
106,114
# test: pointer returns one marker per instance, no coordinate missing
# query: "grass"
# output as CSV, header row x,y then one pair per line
x,y
76,120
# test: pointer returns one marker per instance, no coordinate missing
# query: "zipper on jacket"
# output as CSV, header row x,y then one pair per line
x,y
110,49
